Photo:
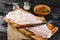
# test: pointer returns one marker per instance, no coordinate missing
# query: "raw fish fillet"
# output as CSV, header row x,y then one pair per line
x,y
23,17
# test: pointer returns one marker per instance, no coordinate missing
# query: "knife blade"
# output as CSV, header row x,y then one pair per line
x,y
30,25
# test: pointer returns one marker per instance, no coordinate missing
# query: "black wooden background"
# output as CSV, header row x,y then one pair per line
x,y
6,6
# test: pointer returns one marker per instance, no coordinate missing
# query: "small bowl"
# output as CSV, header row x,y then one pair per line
x,y
42,10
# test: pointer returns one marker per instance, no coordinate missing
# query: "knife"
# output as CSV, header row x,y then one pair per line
x,y
32,25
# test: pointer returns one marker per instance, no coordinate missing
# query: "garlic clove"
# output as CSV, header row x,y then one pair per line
x,y
26,6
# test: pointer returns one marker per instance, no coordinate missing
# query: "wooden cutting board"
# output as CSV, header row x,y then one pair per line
x,y
23,34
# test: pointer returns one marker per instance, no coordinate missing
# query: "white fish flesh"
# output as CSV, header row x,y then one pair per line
x,y
23,17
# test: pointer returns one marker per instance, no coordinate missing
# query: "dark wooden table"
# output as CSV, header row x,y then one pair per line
x,y
55,13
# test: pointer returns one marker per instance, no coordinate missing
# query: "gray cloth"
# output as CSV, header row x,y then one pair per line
x,y
2,27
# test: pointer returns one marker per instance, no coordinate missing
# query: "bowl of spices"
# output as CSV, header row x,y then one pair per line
x,y
42,10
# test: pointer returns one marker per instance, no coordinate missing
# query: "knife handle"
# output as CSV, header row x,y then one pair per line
x,y
26,25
